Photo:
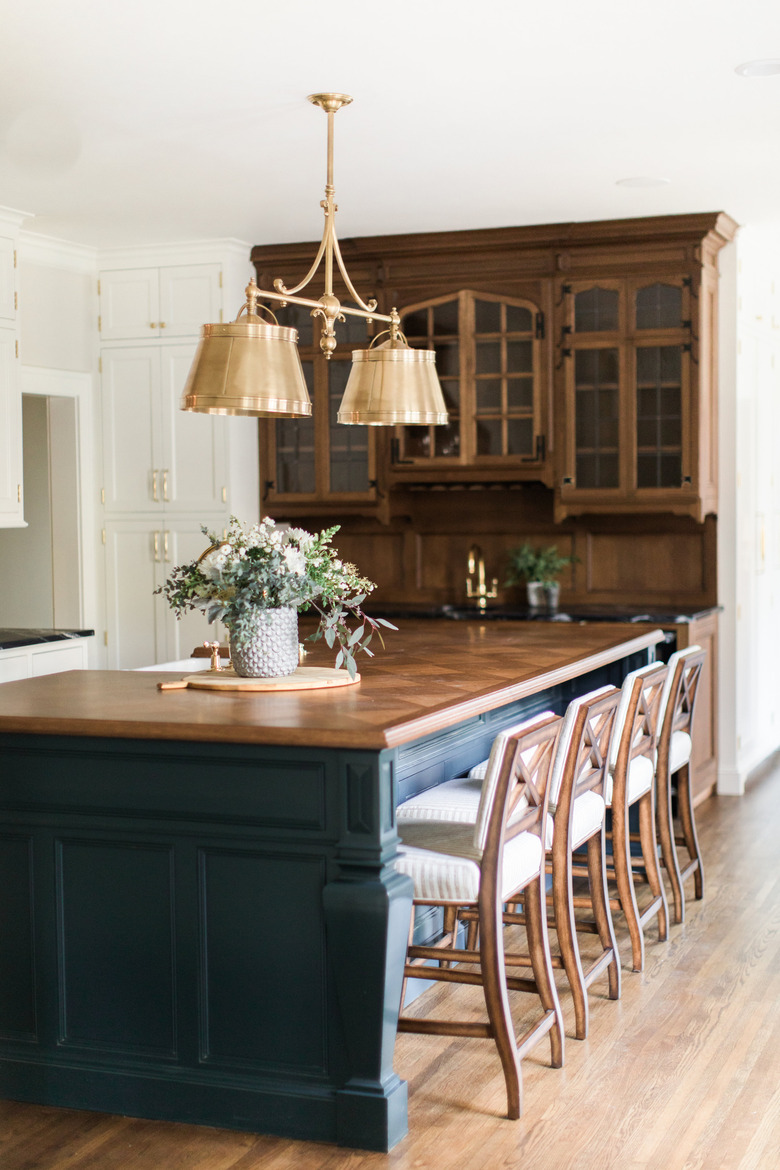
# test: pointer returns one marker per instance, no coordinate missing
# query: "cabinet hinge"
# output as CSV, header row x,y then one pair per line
x,y
16,347
220,316
220,279
16,300
104,535
540,325
105,637
100,324
100,365
15,265
102,495
98,288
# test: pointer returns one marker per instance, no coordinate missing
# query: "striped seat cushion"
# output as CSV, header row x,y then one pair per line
x,y
455,877
457,800
640,779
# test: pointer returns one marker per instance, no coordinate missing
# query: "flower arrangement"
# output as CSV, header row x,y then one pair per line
x,y
268,566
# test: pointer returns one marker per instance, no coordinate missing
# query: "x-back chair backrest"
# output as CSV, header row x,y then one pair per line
x,y
582,757
679,694
639,708
515,791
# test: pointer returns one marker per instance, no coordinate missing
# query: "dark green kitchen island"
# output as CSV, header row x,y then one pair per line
x,y
199,916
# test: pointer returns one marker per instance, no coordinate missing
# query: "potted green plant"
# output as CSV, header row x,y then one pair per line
x,y
540,568
256,579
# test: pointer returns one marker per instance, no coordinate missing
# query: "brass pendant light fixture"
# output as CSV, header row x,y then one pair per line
x,y
251,367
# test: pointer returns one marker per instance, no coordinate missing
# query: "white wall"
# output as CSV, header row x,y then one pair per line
x,y
749,511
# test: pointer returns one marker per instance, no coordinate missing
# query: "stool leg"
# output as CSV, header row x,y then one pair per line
x,y
668,847
535,909
493,967
685,808
597,874
621,859
647,838
566,930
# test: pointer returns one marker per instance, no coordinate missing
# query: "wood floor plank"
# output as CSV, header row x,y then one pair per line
x,y
683,1073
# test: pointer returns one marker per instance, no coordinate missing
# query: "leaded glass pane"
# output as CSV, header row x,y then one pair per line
x,y
659,306
519,320
348,445
659,416
487,316
447,359
597,418
520,393
489,396
295,472
489,436
488,357
446,318
447,439
596,310
520,436
519,357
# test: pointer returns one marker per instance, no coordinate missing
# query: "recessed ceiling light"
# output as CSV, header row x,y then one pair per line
x,y
764,67
642,181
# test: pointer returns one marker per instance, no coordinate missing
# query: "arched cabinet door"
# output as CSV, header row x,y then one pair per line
x,y
629,358
490,359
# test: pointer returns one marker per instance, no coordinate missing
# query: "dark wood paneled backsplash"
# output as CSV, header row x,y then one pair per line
x,y
420,555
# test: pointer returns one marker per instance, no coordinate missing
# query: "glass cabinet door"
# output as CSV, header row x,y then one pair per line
x,y
625,349
488,358
308,461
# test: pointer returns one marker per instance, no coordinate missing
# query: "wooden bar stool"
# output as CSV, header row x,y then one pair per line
x,y
631,782
673,778
478,866
578,807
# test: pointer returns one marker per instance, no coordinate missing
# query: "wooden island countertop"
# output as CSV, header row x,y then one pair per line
x,y
430,676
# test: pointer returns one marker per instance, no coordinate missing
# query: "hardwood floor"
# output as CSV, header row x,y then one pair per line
x,y
683,1073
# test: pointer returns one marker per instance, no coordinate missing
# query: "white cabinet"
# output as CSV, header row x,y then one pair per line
x,y
142,627
44,658
157,457
11,505
172,301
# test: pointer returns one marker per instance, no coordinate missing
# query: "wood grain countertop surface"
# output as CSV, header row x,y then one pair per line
x,y
430,676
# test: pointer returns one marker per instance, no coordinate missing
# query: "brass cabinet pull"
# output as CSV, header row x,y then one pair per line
x,y
166,557
162,324
155,495
152,324
157,546
165,485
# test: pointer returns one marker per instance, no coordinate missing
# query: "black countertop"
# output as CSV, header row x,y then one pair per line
x,y
9,639
519,613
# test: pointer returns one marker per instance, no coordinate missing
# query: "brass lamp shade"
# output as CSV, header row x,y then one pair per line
x,y
393,385
247,367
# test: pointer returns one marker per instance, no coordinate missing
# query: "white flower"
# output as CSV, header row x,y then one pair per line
x,y
295,561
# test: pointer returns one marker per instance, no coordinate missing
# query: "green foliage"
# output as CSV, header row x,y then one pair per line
x,y
527,563
266,567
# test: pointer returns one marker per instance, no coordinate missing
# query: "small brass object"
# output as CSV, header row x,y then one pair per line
x,y
476,567
213,647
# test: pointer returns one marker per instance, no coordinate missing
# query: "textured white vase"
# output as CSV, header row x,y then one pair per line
x,y
270,648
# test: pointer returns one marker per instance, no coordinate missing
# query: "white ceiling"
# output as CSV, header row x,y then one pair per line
x,y
166,120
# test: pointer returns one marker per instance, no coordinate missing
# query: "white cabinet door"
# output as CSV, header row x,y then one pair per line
x,y
190,296
159,302
129,303
195,461
134,551
7,279
11,506
133,456
184,542
142,629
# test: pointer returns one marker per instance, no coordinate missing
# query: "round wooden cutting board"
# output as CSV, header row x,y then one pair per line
x,y
305,678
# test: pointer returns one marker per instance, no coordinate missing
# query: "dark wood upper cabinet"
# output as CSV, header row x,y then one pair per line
x,y
582,356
